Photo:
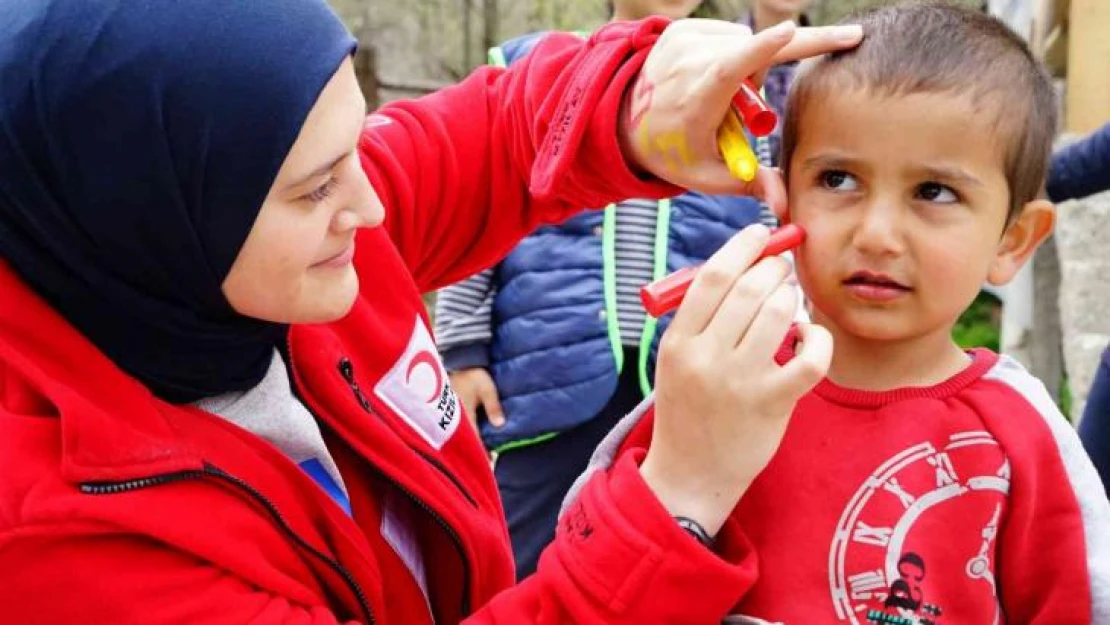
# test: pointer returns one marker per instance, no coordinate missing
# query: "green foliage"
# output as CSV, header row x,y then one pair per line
x,y
980,325
1064,400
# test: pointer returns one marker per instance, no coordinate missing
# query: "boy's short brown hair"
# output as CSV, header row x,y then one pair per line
x,y
930,47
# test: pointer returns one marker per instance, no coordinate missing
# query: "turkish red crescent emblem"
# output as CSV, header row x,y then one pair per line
x,y
428,359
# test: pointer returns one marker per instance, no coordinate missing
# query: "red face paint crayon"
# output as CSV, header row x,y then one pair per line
x,y
664,295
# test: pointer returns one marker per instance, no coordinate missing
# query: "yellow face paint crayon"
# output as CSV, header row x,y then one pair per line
x,y
734,147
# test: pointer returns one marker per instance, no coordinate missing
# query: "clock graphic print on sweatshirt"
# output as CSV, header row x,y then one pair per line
x,y
916,541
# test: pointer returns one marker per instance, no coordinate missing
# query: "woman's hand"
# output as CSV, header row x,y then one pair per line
x,y
722,403
671,113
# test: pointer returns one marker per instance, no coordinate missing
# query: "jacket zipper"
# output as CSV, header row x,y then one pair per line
x,y
346,369
451,533
454,480
210,471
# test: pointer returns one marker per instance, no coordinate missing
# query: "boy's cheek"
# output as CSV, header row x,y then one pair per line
x,y
816,260
809,262
818,226
794,198
805,203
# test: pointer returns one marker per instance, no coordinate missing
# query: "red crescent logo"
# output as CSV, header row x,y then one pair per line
x,y
426,357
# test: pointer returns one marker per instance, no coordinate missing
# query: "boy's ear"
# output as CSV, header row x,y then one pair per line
x,y
1022,237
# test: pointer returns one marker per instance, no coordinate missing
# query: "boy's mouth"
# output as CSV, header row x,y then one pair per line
x,y
875,286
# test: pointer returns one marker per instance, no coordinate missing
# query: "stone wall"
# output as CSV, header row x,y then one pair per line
x,y
1083,244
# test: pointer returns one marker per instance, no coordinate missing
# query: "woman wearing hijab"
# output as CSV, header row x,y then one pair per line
x,y
219,398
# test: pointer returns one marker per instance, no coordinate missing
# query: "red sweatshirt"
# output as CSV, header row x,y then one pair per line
x,y
969,502
118,508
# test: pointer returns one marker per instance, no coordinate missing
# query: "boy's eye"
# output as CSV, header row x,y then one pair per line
x,y
837,180
936,192
320,193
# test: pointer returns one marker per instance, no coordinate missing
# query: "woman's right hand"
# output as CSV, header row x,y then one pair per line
x,y
722,403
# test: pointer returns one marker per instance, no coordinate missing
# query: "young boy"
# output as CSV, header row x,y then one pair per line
x,y
920,483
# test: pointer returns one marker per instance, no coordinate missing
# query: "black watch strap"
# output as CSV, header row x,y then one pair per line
x,y
695,529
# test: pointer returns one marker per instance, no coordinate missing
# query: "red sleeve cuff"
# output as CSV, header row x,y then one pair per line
x,y
621,549
581,149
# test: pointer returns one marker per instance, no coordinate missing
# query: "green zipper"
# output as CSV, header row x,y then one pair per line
x,y
609,282
497,57
662,234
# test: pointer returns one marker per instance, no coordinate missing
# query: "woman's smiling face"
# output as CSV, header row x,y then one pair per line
x,y
295,266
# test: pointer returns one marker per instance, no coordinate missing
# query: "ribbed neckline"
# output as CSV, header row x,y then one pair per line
x,y
981,362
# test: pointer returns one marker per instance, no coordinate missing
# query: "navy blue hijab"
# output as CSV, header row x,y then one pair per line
x,y
138,139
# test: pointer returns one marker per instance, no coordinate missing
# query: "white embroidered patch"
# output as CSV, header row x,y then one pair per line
x,y
417,389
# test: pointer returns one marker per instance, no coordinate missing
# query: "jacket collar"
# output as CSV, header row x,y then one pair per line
x,y
112,428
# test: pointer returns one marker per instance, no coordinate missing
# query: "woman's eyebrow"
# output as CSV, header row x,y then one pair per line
x,y
319,171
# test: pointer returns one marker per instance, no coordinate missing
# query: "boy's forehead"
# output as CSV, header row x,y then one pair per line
x,y
902,139
924,123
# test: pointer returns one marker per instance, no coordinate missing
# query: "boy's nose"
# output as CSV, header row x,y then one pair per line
x,y
879,232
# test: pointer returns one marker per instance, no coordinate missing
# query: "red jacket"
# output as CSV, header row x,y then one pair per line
x,y
116,507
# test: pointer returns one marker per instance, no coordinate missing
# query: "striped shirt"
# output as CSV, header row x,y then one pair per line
x,y
635,261
464,312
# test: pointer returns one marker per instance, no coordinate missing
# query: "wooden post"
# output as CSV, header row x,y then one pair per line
x,y
490,25
1088,90
467,9
366,71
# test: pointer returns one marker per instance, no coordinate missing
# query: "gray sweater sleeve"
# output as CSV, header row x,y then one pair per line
x,y
464,321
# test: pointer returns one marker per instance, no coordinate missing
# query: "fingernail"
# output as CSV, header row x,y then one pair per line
x,y
849,33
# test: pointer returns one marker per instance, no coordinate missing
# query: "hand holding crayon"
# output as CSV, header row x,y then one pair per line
x,y
749,111
664,295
